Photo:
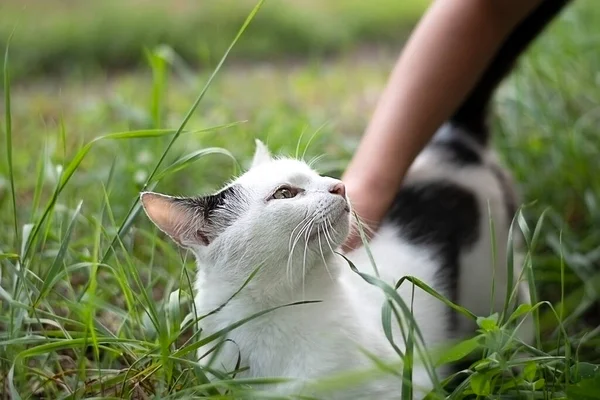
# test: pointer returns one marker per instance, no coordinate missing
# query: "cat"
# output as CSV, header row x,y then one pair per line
x,y
270,238
282,219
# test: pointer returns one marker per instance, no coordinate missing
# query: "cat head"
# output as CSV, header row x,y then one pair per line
x,y
280,213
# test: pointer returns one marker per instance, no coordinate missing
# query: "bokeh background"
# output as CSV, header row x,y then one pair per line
x,y
304,77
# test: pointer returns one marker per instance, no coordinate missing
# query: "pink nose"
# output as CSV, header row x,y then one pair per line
x,y
338,189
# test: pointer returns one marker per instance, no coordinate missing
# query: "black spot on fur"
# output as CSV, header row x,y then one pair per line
x,y
214,212
442,216
207,205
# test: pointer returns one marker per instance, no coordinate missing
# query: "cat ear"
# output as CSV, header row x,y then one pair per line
x,y
261,154
180,218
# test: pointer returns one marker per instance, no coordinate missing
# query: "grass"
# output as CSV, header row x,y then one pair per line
x,y
84,37
83,315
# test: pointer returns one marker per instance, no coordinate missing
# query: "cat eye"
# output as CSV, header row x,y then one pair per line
x,y
285,192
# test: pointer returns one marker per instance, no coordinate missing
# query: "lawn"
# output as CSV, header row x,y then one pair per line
x,y
95,302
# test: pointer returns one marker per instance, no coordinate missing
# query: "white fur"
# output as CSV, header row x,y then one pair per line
x,y
290,241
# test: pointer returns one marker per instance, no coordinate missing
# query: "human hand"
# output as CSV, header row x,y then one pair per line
x,y
368,209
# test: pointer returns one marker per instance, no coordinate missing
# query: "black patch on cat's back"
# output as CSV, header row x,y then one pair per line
x,y
437,213
442,216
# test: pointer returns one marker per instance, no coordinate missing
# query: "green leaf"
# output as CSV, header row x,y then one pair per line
x,y
529,371
583,370
587,378
458,351
588,389
537,385
488,324
522,309
481,384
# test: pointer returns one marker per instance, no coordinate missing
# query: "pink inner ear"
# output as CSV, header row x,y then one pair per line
x,y
166,215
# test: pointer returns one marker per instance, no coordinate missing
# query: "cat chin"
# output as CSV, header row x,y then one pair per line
x,y
335,230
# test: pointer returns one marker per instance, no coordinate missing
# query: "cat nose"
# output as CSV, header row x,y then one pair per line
x,y
338,189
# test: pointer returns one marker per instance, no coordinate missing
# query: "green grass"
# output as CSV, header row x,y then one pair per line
x,y
84,37
83,315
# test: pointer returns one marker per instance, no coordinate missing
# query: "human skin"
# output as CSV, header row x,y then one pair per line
x,y
446,54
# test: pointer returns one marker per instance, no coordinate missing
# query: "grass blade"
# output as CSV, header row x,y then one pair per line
x,y
203,92
188,159
130,215
8,131
59,259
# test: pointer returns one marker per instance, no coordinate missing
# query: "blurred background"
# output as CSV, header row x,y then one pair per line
x,y
78,36
304,77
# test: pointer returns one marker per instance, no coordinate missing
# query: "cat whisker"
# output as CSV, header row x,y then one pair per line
x,y
364,223
331,226
296,240
328,235
291,250
291,246
323,256
294,230
306,236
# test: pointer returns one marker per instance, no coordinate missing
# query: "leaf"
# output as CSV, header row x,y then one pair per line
x,y
481,384
587,377
522,309
583,370
537,385
488,324
588,389
529,371
458,351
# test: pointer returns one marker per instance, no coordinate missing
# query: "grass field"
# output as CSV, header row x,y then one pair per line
x,y
95,303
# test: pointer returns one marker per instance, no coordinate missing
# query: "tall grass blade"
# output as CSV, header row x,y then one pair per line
x,y
407,387
59,259
203,92
8,132
158,64
130,214
188,159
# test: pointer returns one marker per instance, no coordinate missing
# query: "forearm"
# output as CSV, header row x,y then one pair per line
x,y
439,65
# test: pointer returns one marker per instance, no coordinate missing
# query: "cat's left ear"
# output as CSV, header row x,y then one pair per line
x,y
261,154
183,219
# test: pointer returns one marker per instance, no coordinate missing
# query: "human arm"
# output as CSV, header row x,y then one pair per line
x,y
441,62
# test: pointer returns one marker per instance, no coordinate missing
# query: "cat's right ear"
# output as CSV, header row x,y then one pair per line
x,y
175,218
261,154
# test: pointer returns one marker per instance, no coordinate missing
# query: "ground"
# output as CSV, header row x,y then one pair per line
x,y
80,317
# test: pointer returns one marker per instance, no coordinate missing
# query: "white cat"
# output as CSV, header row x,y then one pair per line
x,y
284,220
